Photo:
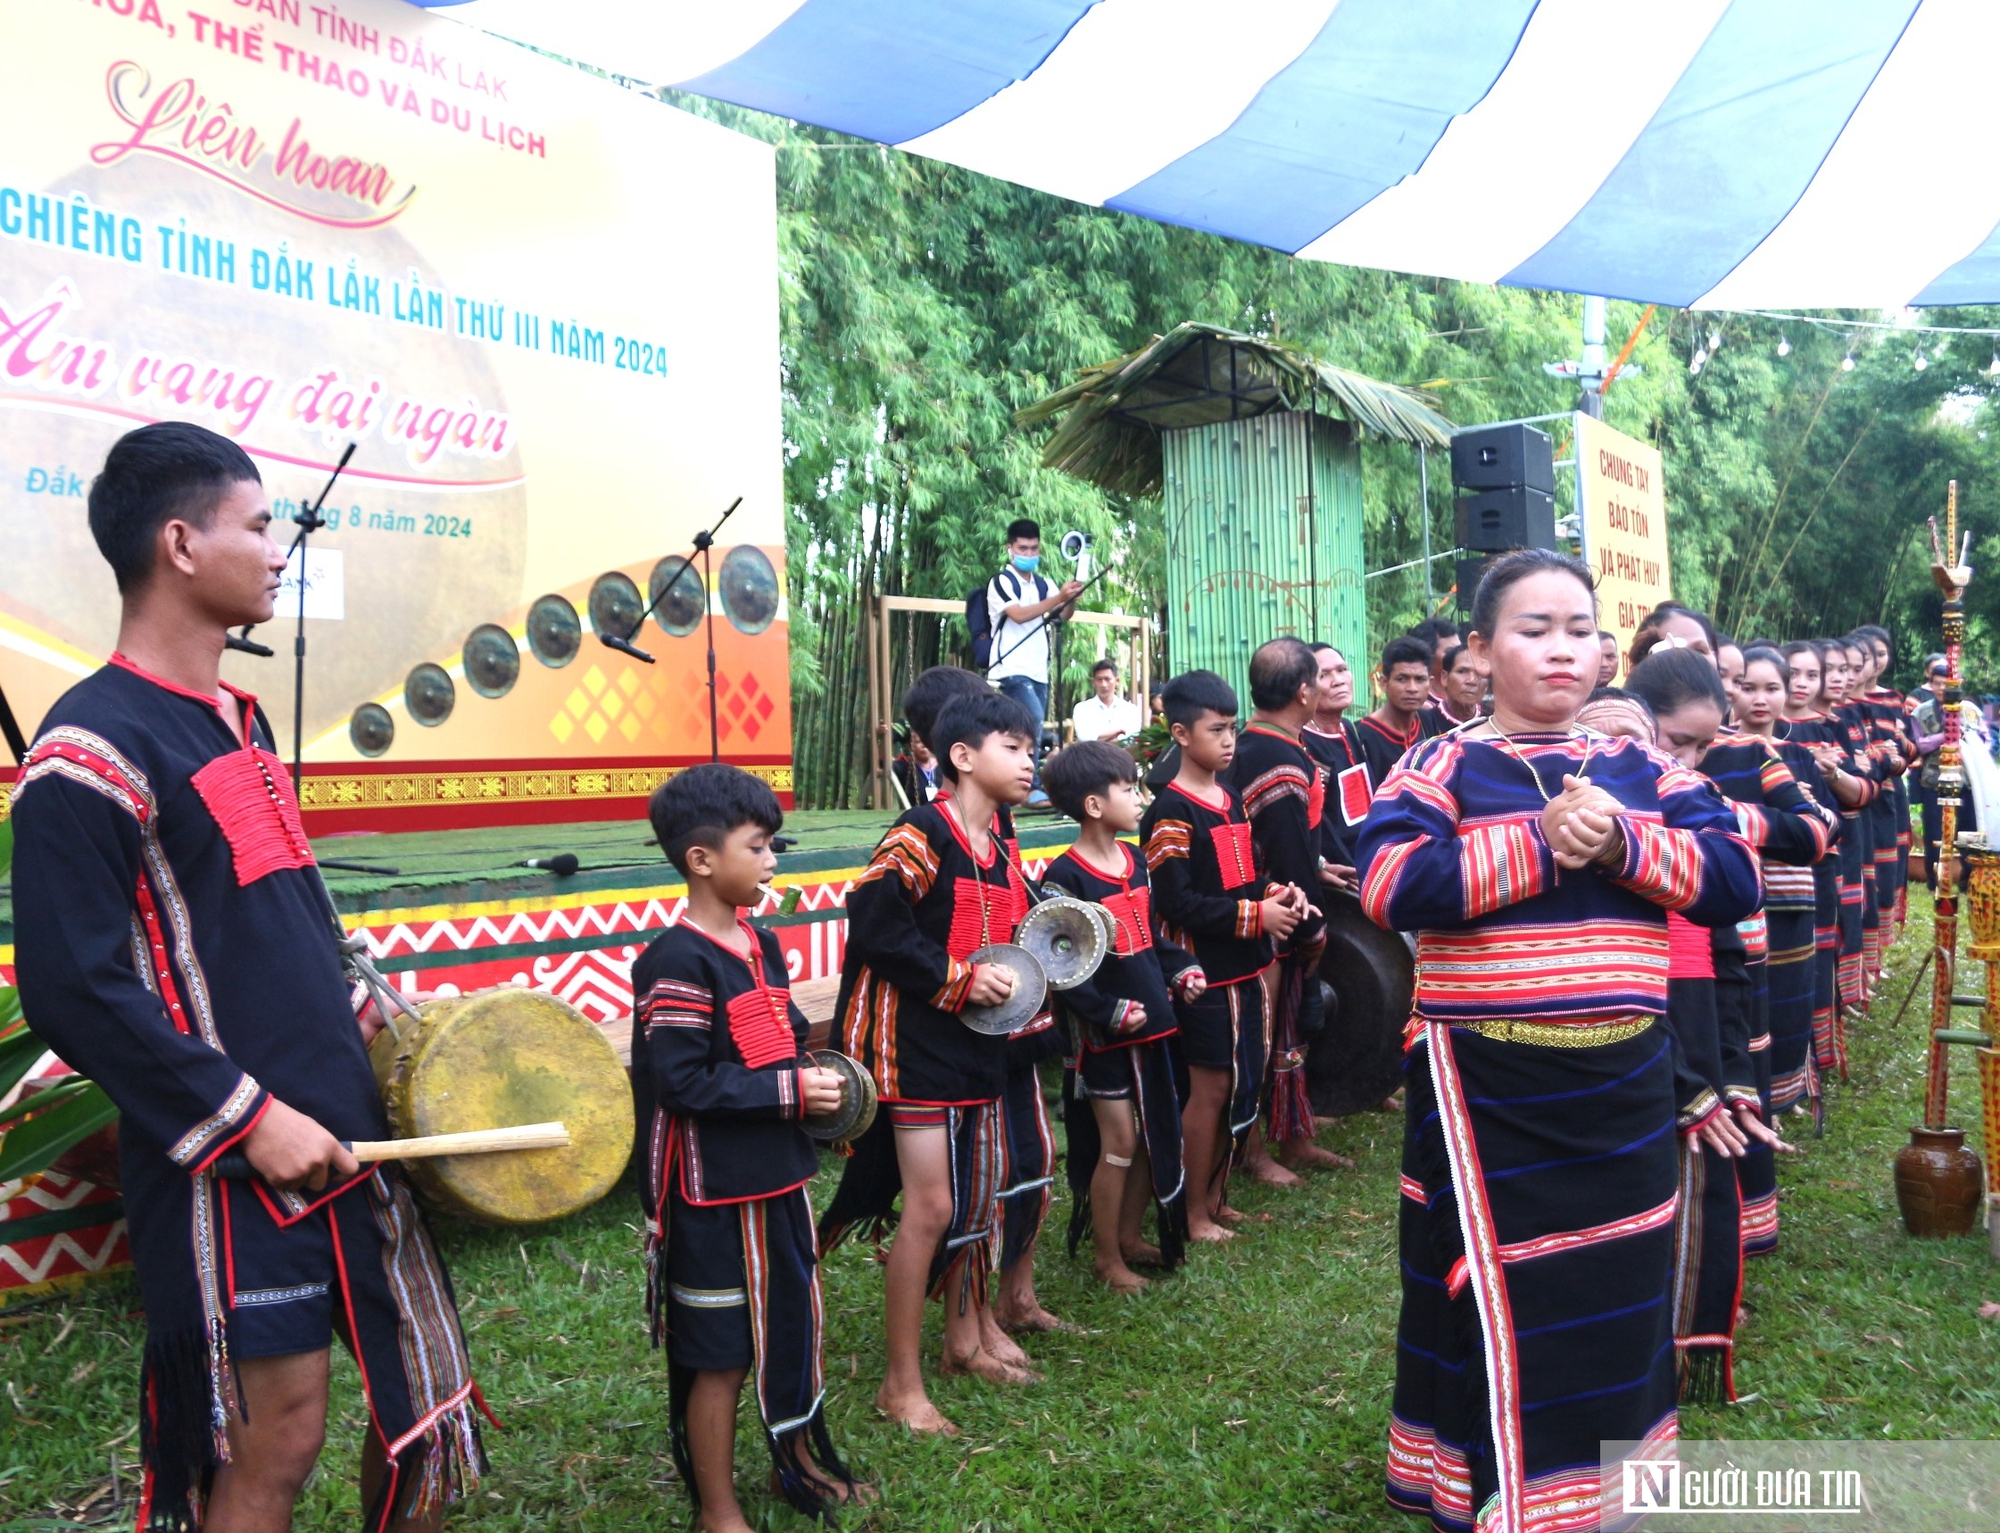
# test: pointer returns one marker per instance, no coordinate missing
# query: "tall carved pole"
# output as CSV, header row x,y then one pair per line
x,y
1951,576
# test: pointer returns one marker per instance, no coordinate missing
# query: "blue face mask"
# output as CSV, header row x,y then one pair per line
x,y
1027,564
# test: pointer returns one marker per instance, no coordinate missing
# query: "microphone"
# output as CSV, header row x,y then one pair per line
x,y
783,844
243,644
624,647
562,864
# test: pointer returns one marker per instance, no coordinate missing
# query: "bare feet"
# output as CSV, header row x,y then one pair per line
x,y
1230,1215
1142,1254
1120,1278
982,1365
860,1493
914,1411
997,1343
1207,1229
1300,1153
1029,1320
1271,1174
728,1519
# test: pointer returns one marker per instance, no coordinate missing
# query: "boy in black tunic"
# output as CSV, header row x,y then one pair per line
x,y
722,1084
1122,1109
940,886
1210,899
177,946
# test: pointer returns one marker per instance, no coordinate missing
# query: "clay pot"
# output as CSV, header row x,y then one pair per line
x,y
1938,1182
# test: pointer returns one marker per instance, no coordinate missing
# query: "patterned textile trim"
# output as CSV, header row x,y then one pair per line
x,y
1558,1035
1705,1106
259,1296
227,1124
1185,980
1555,963
1281,782
1563,1501
906,854
1489,1284
1249,919
1759,1225
1425,1475
1745,1096
90,760
710,1298
1503,862
956,987
672,1003
1170,839
1661,862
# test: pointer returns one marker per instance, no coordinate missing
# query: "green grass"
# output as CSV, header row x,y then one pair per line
x,y
1250,1391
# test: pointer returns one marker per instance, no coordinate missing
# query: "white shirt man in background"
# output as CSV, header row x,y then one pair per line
x,y
1020,603
1104,715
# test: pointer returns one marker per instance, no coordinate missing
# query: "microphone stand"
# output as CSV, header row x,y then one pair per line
x,y
308,522
703,542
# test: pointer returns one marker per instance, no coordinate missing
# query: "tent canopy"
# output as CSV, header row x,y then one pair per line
x,y
1195,375
1704,153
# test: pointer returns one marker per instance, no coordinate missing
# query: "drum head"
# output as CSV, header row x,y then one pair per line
x,y
1370,979
493,1060
1031,988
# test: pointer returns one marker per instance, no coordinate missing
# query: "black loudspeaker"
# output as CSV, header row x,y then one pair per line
x,y
1469,571
1512,518
1496,457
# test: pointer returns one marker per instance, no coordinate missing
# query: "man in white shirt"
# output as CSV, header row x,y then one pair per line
x,y
1104,715
1019,604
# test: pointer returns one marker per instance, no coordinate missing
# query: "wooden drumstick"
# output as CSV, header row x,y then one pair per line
x,y
478,1141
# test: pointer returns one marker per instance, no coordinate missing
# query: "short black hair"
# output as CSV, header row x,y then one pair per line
x,y
1760,644
1668,679
1606,633
1024,527
1431,629
153,475
1279,668
700,805
1106,664
971,719
1321,647
1408,650
1451,655
932,690
1076,771
1192,693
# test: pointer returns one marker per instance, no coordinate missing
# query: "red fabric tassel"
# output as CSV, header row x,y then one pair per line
x,y
250,795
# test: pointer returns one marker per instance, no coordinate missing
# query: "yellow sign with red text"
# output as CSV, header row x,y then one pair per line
x,y
1622,511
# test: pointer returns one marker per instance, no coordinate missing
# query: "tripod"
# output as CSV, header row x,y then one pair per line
x,y
703,542
308,522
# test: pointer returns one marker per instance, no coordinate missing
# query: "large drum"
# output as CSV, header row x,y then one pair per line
x,y
1368,979
494,1059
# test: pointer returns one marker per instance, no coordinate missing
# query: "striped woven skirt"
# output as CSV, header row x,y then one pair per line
x,y
1829,1033
1856,881
1743,1005
1539,1192
1789,983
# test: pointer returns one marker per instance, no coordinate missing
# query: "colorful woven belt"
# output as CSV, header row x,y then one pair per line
x,y
1559,1035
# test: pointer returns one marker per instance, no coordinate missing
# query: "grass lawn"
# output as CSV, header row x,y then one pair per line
x,y
1249,1391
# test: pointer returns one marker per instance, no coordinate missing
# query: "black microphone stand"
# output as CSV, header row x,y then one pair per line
x,y
703,542
308,522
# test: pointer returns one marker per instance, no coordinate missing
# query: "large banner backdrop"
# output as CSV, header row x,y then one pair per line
x,y
544,307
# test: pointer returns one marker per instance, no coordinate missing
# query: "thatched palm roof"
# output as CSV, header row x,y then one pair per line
x,y
1196,375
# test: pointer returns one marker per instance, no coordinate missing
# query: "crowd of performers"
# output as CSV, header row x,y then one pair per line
x,y
1643,917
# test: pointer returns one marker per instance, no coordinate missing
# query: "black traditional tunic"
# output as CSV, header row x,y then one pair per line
x,y
1206,897
1284,794
175,944
922,907
731,1267
1382,748
1348,792
1115,1058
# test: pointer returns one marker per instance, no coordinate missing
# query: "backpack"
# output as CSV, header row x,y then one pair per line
x,y
979,624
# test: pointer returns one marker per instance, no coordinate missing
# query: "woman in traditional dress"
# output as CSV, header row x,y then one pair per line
x,y
1536,862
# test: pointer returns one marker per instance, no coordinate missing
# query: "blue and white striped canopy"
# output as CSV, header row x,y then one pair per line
x,y
1699,153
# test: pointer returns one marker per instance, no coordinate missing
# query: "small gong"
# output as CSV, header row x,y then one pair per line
x,y
1031,988
680,610
492,660
749,585
555,633
615,605
429,694
372,729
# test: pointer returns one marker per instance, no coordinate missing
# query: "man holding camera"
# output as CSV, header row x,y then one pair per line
x,y
1022,604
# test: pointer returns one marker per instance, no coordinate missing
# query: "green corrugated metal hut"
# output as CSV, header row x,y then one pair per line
x,y
1253,449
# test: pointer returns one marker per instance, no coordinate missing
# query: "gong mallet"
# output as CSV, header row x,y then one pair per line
x,y
478,1141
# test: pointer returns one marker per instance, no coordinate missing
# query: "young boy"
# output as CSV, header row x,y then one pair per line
x,y
1028,1140
1211,901
1124,1122
940,886
180,950
732,1274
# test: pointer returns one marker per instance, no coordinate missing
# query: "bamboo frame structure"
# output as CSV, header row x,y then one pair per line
x,y
879,630
1950,572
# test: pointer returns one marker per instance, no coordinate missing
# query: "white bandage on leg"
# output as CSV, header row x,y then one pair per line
x,y
1120,1161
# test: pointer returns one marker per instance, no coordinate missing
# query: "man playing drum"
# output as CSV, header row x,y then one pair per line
x,y
176,945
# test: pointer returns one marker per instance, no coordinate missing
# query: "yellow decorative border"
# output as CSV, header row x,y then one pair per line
x,y
423,789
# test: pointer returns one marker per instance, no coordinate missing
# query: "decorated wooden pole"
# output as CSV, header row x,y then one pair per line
x,y
1951,578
